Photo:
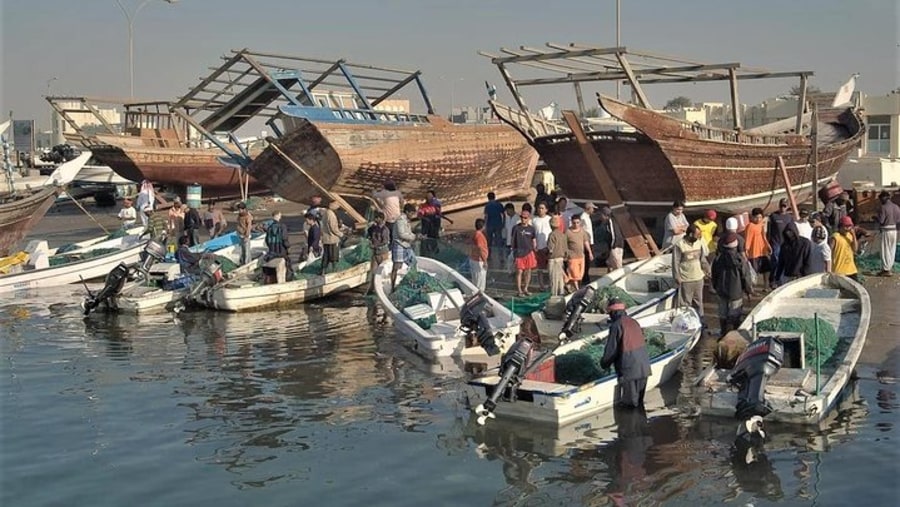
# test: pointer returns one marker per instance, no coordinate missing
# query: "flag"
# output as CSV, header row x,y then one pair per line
x,y
845,93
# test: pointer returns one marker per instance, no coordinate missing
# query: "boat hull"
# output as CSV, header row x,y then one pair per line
x,y
174,167
462,163
791,403
19,216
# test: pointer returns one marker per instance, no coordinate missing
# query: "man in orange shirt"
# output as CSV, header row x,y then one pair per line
x,y
478,256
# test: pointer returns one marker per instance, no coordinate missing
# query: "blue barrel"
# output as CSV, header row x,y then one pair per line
x,y
194,194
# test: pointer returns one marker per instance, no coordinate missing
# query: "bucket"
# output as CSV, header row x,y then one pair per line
x,y
830,191
194,194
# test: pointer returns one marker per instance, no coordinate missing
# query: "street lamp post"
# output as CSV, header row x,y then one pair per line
x,y
52,121
130,19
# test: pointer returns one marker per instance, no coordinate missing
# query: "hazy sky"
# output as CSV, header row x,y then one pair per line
x,y
83,43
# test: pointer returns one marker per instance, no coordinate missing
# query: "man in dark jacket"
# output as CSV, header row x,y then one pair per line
x,y
778,221
610,242
795,253
731,279
192,225
626,349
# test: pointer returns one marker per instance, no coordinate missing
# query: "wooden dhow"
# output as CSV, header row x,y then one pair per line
x,y
653,159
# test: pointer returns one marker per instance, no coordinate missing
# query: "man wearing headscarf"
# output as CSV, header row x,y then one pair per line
x,y
145,199
626,350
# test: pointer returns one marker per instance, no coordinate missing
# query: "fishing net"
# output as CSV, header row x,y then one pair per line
x,y
59,260
414,288
446,253
226,264
582,366
361,254
528,304
871,262
828,338
604,294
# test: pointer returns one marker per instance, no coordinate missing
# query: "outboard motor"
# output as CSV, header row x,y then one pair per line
x,y
577,305
115,279
761,360
513,367
474,323
209,277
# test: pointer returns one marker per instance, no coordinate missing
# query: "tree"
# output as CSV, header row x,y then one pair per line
x,y
810,90
677,103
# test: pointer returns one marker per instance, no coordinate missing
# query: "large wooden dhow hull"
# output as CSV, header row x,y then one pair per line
x,y
462,163
173,167
668,160
18,216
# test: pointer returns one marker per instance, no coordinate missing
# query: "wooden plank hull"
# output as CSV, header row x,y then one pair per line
x,y
850,314
667,160
175,167
462,163
17,217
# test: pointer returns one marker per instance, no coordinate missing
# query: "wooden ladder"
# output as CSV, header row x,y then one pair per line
x,y
636,234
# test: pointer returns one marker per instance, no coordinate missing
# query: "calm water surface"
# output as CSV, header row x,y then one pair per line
x,y
322,405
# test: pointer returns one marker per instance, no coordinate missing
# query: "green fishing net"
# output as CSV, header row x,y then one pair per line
x,y
528,304
446,253
582,366
828,338
360,254
414,288
871,263
604,294
226,264
59,260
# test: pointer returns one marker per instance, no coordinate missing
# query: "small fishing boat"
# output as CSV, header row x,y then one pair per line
x,y
160,294
454,313
85,263
250,292
804,388
542,398
649,282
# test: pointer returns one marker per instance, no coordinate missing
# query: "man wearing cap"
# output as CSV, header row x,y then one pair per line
x,y
843,248
626,350
887,220
835,210
778,222
128,215
708,230
524,244
588,226
610,239
244,228
731,280
731,225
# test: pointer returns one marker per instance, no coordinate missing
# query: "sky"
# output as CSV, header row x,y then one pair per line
x,y
83,44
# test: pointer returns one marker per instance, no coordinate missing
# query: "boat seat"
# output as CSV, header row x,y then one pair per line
x,y
418,311
794,378
451,298
444,328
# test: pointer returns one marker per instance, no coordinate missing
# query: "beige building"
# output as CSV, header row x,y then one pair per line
x,y
878,159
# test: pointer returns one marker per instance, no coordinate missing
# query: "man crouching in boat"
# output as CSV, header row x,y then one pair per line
x,y
626,349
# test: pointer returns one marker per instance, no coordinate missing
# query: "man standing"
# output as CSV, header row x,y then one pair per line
x,y
556,257
795,253
588,226
576,247
493,225
888,220
192,225
820,256
542,197
835,210
524,245
214,220
690,267
843,248
731,279
708,230
626,350
402,241
128,215
542,230
331,237
156,224
146,197
430,218
391,201
244,228
175,223
675,225
610,239
778,222
478,255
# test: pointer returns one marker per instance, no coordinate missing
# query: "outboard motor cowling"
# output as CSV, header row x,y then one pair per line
x,y
113,284
153,252
577,305
759,361
512,367
475,324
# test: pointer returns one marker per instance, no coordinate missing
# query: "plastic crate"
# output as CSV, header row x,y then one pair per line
x,y
544,372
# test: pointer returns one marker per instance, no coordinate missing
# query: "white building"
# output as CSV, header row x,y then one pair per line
x,y
878,159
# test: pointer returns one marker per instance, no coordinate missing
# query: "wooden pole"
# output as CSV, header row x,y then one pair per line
x,y
814,130
88,214
779,162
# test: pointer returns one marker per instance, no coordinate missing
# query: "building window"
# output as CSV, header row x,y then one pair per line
x,y
879,138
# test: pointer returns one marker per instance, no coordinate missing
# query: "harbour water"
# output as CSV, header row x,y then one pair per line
x,y
323,405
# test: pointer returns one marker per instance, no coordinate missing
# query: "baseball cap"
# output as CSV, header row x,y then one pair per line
x,y
846,221
711,214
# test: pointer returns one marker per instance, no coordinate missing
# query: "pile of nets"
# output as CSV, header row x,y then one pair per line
x,y
68,247
414,288
361,254
871,262
828,338
604,294
582,366
528,304
59,260
445,252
